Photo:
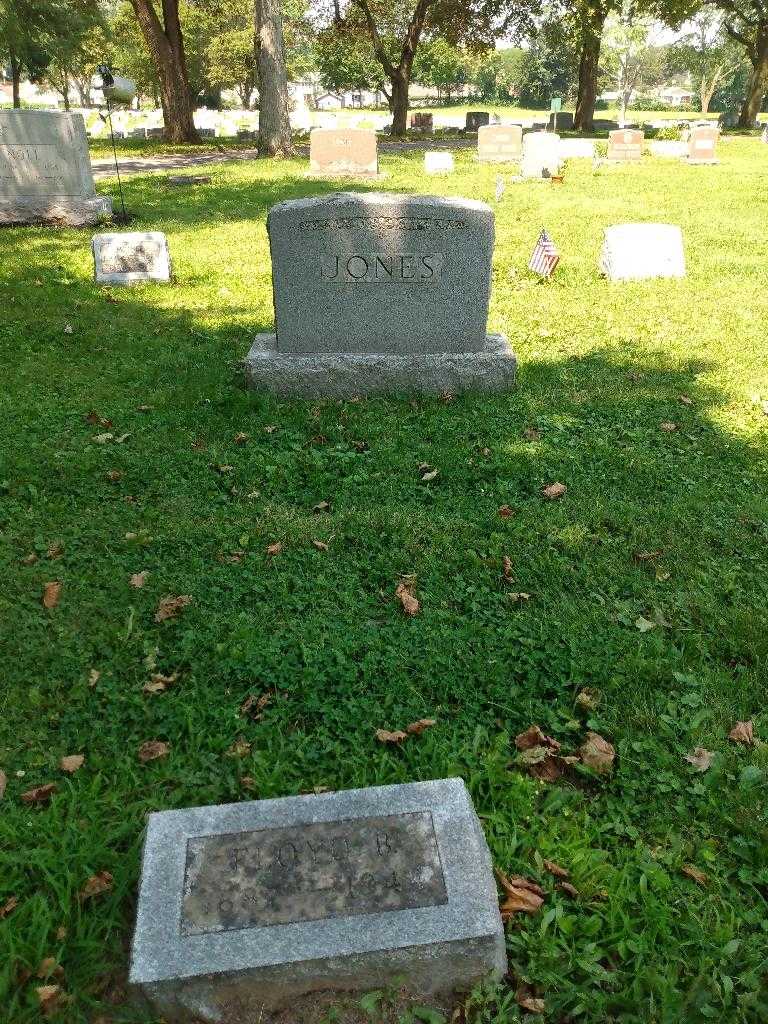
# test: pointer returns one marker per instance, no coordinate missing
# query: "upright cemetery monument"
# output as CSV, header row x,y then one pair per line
x,y
343,151
625,144
249,908
702,143
380,292
499,143
45,170
541,155
476,119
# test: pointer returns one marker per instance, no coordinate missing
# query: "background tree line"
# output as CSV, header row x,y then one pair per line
x,y
184,53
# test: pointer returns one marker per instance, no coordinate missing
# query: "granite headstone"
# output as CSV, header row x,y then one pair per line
x,y
625,144
246,909
45,170
476,119
702,143
380,292
343,151
499,143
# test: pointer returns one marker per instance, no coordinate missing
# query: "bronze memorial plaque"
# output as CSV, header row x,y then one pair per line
x,y
311,872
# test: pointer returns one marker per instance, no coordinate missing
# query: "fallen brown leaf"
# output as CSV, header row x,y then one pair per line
x,y
138,579
743,732
9,906
51,594
71,763
597,753
518,595
158,683
61,933
525,998
568,889
170,606
40,794
417,728
55,549
523,896
647,556
556,870
685,400
668,426
505,511
695,873
241,438
253,706
50,966
506,565
3,783
532,434
404,594
322,506
240,748
587,698
113,475
320,545
548,768
701,759
384,736
30,559
554,491
96,884
534,737
248,782
97,421
275,549
93,677
50,998
150,750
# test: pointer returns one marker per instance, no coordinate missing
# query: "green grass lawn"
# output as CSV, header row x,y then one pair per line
x,y
648,581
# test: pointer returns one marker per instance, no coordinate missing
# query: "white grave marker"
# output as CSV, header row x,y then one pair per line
x,y
438,163
131,256
637,252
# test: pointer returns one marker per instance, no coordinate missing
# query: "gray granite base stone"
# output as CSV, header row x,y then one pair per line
x,y
347,374
72,211
246,910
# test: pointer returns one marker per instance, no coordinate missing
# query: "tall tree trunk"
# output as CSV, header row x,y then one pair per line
x,y
16,79
592,34
757,83
166,47
274,122
400,87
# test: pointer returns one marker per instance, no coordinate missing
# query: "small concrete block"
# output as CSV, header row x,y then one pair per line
x,y
636,252
131,256
438,163
348,374
246,908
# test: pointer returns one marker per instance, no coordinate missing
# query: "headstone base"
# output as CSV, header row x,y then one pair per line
x,y
333,175
689,160
346,374
70,211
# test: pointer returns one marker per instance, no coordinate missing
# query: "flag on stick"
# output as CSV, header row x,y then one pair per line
x,y
499,189
545,256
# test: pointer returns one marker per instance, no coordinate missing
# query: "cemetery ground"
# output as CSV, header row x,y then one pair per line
x,y
200,585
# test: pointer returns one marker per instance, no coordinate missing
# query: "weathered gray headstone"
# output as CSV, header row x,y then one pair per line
x,y
380,292
541,155
561,121
129,257
636,252
476,119
45,170
625,144
343,151
499,143
248,908
422,122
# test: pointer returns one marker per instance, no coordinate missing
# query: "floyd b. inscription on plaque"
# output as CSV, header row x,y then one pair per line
x,y
311,872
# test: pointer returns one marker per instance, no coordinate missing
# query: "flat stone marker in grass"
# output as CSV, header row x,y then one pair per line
x,y
248,908
499,143
625,144
476,119
377,293
129,257
45,170
343,151
541,155
438,163
702,143
636,252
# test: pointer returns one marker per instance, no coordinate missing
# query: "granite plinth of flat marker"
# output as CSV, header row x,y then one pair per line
x,y
130,257
246,908
45,170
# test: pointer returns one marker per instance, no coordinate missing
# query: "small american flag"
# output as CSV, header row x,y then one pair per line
x,y
499,189
545,256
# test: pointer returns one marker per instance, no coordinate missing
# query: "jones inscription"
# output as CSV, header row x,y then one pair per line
x,y
311,872
372,268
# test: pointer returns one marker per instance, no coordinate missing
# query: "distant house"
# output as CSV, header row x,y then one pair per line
x,y
355,98
675,96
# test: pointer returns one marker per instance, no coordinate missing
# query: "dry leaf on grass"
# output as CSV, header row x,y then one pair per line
x,y
506,568
523,896
701,759
30,559
93,677
587,698
384,736
534,737
668,426
150,750
50,998
525,998
96,884
248,782
71,763
241,438
532,434
568,889
320,545
404,594
321,506
417,728
3,783
97,421
556,870
597,753
55,549
170,606
49,965
51,594
9,906
138,579
240,748
253,706
554,491
743,732
505,511
158,683
40,794
275,549
685,400
695,873
427,472
113,475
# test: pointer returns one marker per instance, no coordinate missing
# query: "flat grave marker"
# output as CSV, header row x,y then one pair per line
x,y
638,252
129,257
343,151
499,143
45,170
245,909
438,163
